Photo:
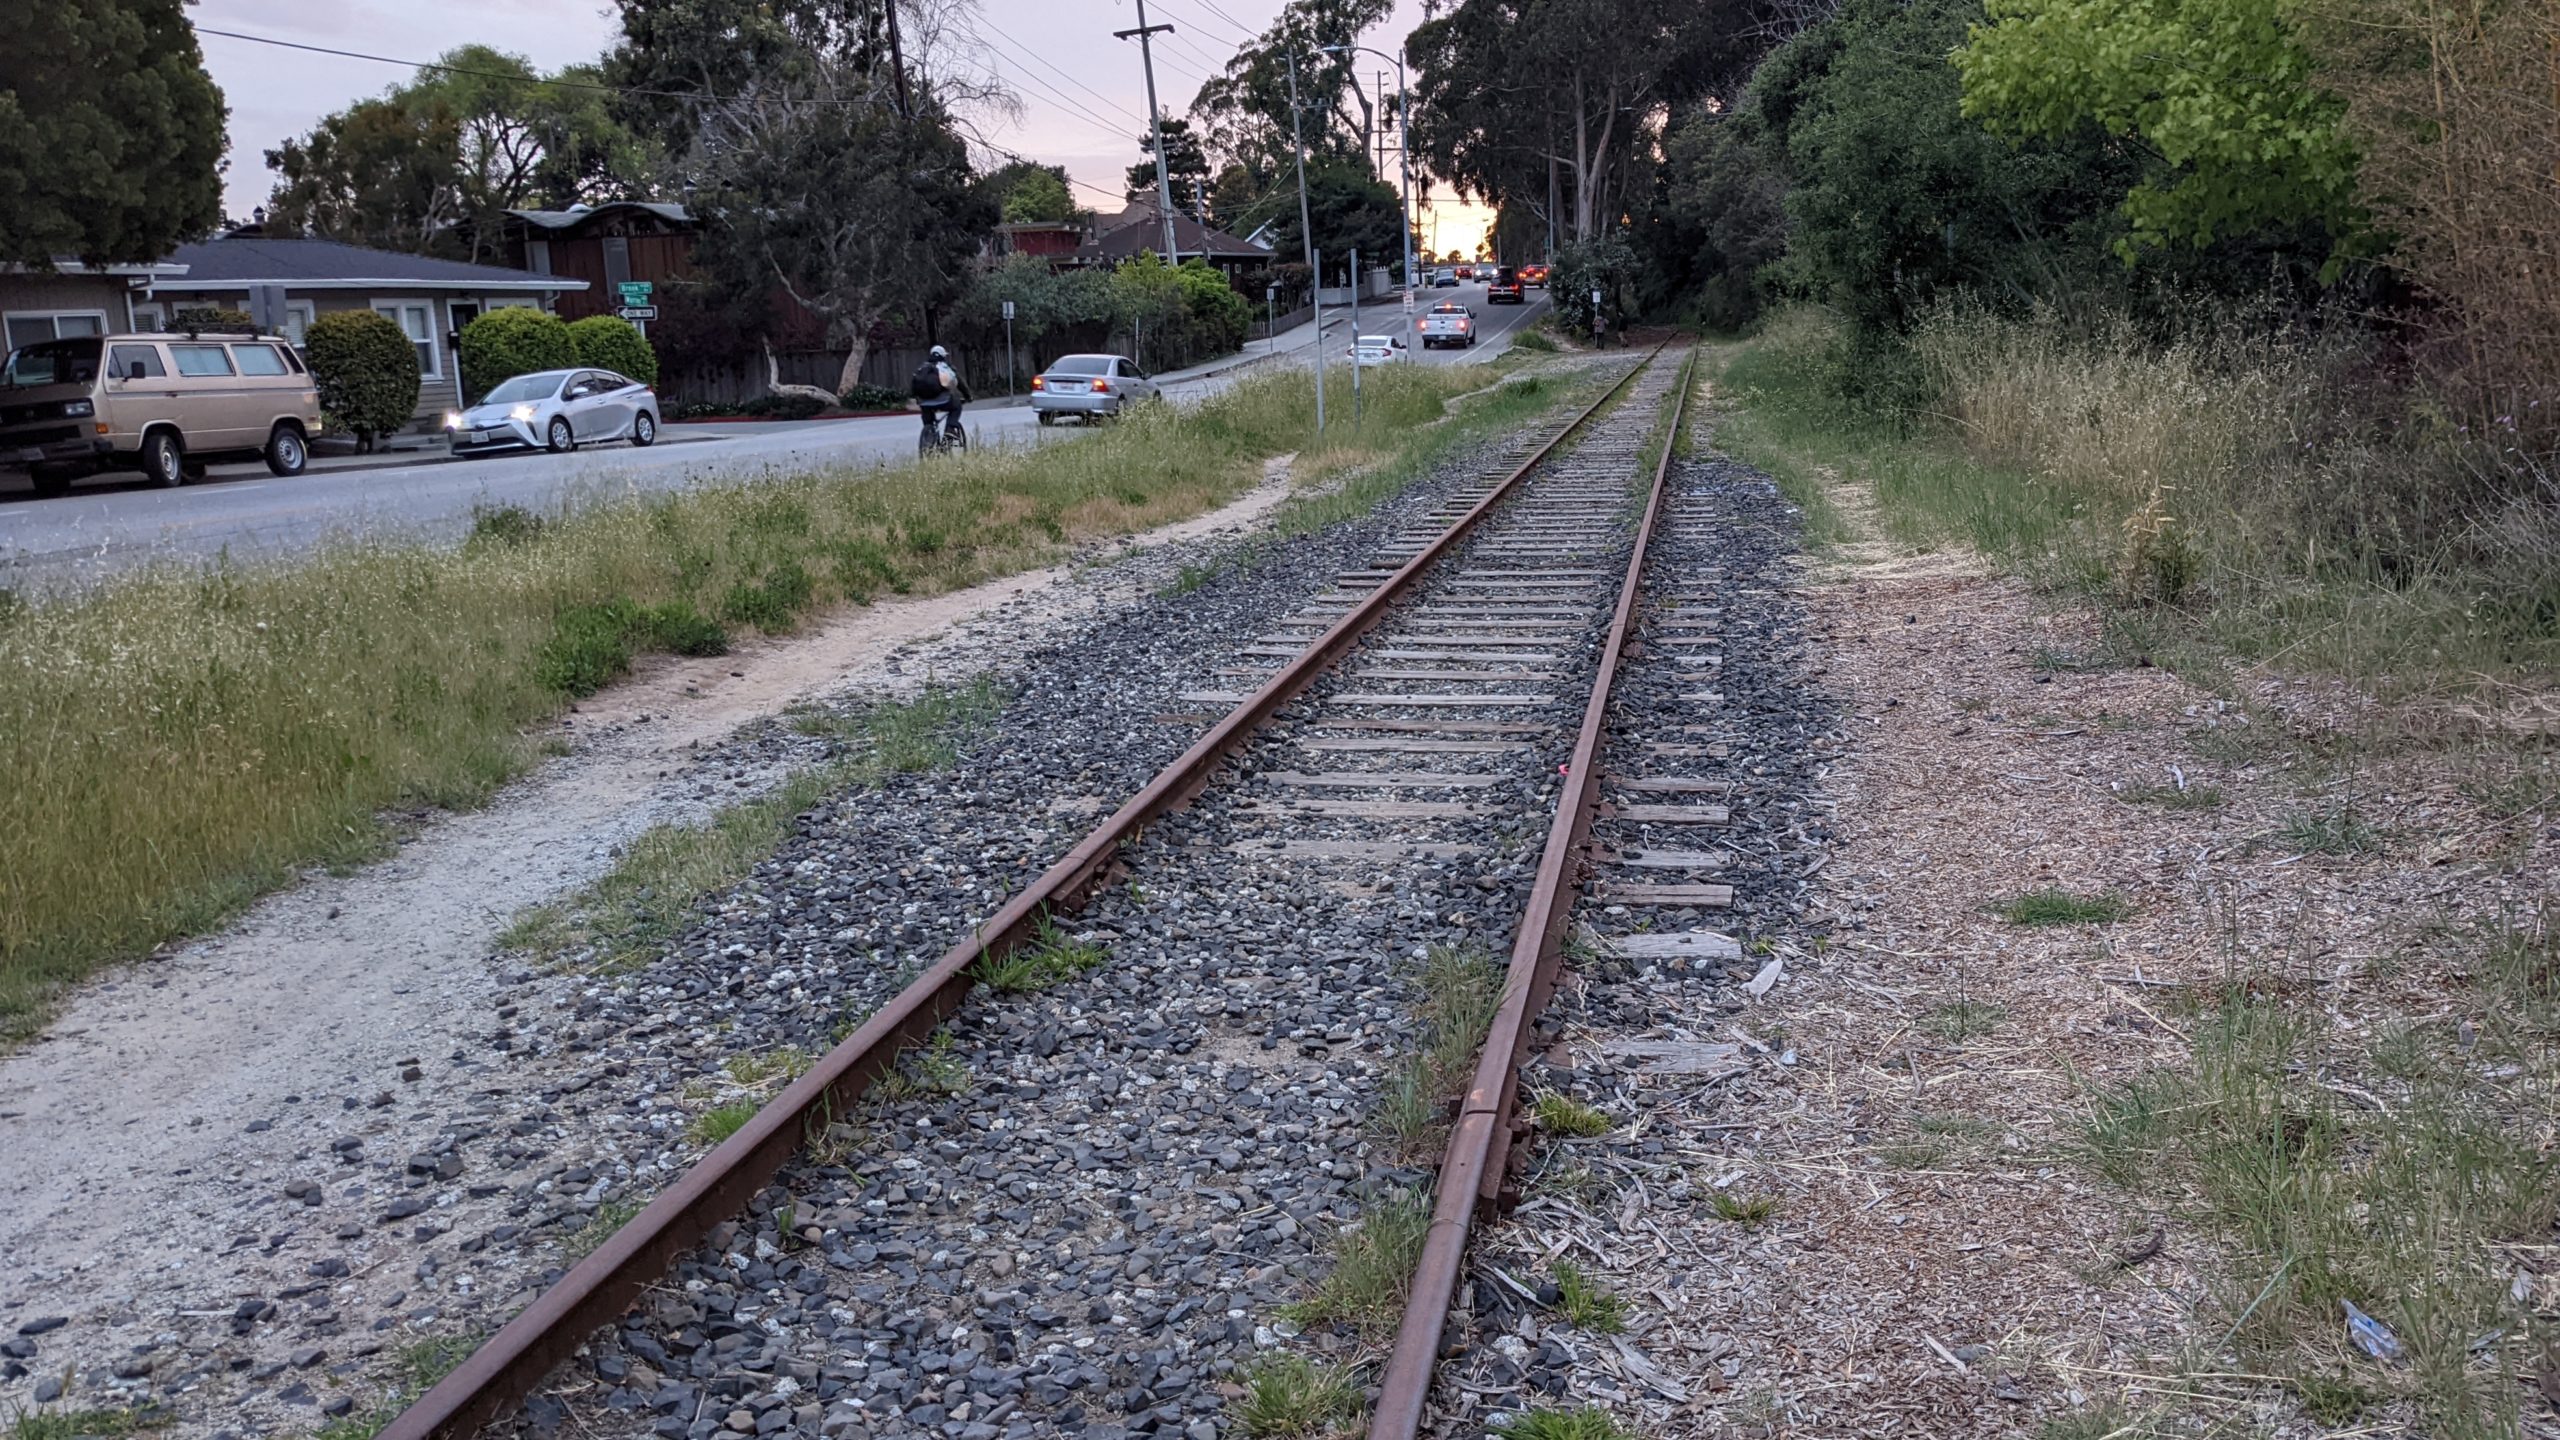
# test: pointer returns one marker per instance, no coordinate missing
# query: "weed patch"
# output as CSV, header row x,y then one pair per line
x,y
1461,990
1373,1264
1588,1423
1560,1114
2173,797
1290,1397
76,1424
2061,907
1586,1302
1052,957
1748,1211
719,1123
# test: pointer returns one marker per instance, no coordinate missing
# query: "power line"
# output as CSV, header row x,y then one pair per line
x,y
1018,49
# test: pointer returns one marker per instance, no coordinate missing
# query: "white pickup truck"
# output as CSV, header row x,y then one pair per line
x,y
1448,323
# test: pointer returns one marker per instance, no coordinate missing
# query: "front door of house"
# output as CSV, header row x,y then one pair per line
x,y
463,312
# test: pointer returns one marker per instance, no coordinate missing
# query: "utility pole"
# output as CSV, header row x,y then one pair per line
x,y
1155,123
898,59
1307,232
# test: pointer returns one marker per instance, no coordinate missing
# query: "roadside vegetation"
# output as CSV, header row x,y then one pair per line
x,y
182,741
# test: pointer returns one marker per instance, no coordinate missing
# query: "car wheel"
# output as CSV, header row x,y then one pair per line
x,y
644,429
560,440
52,479
164,460
1045,418
286,454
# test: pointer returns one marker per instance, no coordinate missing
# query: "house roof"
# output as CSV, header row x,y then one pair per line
x,y
578,215
65,265
1137,229
239,262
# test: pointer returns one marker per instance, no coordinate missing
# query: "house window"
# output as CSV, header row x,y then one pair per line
x,y
537,256
417,320
33,327
617,261
147,318
298,315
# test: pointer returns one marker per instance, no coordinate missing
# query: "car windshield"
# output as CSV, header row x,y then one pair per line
x,y
1378,341
53,362
1082,365
525,387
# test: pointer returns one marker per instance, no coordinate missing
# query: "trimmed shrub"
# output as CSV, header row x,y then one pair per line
x,y
609,342
874,397
366,371
204,319
517,340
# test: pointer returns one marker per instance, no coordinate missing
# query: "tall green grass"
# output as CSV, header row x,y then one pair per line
x,y
179,742
2250,491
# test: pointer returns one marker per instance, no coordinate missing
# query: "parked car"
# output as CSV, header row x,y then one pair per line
x,y
1448,323
1444,279
1534,275
160,403
1505,288
1089,386
1378,350
556,410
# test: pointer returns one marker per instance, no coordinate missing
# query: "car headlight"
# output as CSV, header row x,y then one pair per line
x,y
79,407
521,412
452,420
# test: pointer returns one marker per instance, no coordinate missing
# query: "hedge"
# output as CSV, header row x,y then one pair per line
x,y
366,371
609,342
517,340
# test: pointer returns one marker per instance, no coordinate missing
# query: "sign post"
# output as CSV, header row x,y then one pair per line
x,y
1599,323
1008,347
636,306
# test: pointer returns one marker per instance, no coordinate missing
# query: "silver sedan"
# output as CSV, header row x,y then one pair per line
x,y
556,410
1090,386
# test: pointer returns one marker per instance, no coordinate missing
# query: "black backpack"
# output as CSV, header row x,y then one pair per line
x,y
926,383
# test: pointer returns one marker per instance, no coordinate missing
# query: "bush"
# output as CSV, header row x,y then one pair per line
x,y
609,342
517,340
781,407
872,397
366,371
199,319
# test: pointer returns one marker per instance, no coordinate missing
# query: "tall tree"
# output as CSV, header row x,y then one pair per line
x,y
111,132
1184,159
830,161
1243,111
1349,209
432,166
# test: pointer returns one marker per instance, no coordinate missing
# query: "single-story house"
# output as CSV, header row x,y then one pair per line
x,y
73,299
1052,240
1136,230
430,299
604,246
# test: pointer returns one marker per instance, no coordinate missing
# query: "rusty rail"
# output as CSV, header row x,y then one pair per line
x,y
505,1369
1471,1169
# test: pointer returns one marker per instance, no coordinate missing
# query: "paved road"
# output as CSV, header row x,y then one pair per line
x,y
115,522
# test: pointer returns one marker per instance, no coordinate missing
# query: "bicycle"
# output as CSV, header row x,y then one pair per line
x,y
949,439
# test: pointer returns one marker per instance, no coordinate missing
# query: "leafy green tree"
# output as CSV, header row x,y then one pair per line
x,y
609,342
1039,196
1349,208
365,369
516,340
2222,91
1243,112
432,166
1722,218
111,132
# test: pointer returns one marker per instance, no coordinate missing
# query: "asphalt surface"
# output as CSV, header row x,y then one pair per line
x,y
115,522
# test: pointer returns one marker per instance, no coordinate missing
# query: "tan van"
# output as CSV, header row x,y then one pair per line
x,y
162,404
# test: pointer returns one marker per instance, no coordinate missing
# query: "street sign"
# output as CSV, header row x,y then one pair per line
x,y
1408,302
1008,309
637,313
636,292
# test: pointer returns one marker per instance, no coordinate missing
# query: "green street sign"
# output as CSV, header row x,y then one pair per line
x,y
636,292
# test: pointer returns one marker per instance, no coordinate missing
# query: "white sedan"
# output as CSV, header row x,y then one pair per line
x,y
1378,350
556,410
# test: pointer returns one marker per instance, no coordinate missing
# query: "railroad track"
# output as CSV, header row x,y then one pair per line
x,y
1397,765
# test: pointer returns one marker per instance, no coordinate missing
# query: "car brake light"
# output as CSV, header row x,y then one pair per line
x,y
1039,382
1101,387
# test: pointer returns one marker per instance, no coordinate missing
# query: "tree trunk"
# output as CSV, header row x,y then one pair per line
x,y
773,382
853,359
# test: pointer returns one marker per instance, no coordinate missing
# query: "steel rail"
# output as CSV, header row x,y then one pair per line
x,y
505,1369
1472,1166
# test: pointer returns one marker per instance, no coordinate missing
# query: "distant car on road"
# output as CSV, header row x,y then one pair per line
x,y
1444,279
1378,350
1534,275
1448,323
1466,272
556,410
1089,386
1505,288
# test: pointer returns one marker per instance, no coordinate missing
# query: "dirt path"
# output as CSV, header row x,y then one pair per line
x,y
153,1134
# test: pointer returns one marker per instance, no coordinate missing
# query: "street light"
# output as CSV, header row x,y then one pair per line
x,y
1404,159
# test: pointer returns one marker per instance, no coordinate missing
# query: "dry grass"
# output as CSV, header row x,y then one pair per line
x,y
182,741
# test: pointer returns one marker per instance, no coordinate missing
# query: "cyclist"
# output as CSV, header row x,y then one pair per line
x,y
939,391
